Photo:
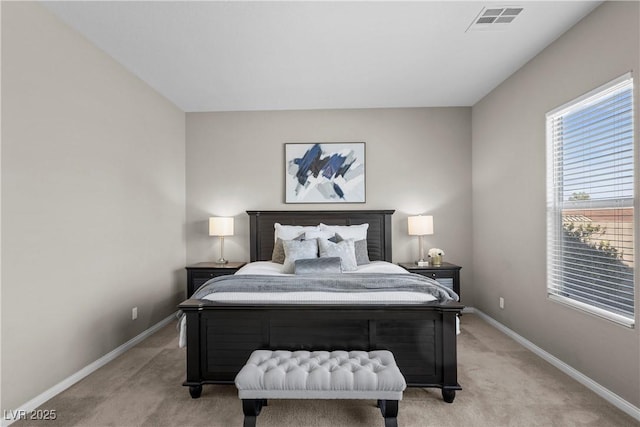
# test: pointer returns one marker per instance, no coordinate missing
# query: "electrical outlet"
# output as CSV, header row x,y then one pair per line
x,y
501,302
134,313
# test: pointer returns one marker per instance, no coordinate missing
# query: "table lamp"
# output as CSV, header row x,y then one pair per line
x,y
421,226
220,226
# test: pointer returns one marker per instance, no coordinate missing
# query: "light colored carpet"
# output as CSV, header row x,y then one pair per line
x,y
503,385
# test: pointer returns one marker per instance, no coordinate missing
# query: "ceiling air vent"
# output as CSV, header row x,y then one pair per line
x,y
494,18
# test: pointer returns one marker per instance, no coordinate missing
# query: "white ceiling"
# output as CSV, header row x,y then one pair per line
x,y
239,56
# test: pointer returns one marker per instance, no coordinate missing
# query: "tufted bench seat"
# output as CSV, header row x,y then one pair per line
x,y
279,374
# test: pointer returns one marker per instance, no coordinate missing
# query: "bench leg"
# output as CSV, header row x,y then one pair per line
x,y
249,421
251,409
389,409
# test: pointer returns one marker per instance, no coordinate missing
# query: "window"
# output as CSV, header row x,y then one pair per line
x,y
590,202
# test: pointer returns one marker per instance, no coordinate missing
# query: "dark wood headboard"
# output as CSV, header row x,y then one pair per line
x,y
261,229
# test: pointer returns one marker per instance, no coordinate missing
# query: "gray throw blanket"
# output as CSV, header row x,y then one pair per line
x,y
352,282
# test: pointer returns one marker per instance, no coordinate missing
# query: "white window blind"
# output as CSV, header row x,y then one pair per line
x,y
590,202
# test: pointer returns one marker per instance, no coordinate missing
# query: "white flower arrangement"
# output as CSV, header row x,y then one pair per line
x,y
433,252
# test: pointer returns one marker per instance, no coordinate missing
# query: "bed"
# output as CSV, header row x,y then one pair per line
x,y
220,335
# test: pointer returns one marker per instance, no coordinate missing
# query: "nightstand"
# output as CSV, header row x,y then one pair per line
x,y
199,273
446,274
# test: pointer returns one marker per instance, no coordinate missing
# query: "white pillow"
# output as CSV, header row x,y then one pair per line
x,y
318,234
298,249
290,232
355,232
344,249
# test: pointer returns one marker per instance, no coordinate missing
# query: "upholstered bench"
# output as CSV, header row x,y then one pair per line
x,y
279,374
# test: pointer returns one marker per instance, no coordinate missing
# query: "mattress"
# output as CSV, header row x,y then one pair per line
x,y
312,297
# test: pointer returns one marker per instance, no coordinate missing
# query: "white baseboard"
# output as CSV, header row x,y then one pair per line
x,y
10,416
601,391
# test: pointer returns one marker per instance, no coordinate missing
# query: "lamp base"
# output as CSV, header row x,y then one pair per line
x,y
422,263
222,261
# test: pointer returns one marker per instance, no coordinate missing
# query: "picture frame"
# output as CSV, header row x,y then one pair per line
x,y
325,172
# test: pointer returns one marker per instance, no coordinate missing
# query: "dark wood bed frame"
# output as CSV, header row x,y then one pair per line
x,y
422,336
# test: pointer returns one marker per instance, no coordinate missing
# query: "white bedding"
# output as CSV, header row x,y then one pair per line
x,y
268,267
272,268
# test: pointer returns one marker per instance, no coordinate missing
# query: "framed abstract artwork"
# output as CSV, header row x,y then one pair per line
x,y
325,172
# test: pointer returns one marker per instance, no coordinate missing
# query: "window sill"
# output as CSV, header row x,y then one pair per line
x,y
603,314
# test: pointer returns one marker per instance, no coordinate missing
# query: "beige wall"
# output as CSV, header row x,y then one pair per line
x,y
418,160
509,192
92,203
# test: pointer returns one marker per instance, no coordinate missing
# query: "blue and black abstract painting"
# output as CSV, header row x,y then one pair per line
x,y
325,172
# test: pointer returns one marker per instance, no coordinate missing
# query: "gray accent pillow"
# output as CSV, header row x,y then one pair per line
x,y
326,265
294,250
344,249
278,249
361,249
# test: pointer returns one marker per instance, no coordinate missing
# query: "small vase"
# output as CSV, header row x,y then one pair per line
x,y
436,260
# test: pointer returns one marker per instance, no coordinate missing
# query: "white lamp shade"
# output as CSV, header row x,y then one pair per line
x,y
420,225
219,226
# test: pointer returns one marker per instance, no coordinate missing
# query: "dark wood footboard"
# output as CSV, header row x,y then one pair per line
x,y
422,337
